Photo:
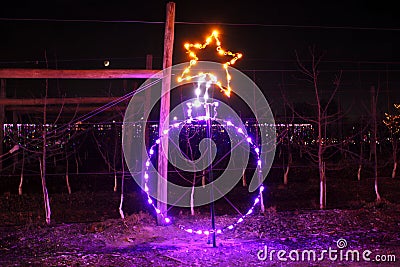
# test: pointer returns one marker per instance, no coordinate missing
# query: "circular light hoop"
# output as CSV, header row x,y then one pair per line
x,y
250,211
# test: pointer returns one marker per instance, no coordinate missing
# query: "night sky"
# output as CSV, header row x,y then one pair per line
x,y
361,38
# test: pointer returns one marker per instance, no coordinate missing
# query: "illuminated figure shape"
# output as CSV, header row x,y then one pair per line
x,y
209,78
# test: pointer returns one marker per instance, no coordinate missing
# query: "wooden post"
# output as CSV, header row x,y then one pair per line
x,y
76,74
2,118
56,101
162,190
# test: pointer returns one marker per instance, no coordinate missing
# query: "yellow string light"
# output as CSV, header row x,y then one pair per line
x,y
222,52
393,121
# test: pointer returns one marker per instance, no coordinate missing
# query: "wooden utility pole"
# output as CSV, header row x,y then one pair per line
x,y
162,191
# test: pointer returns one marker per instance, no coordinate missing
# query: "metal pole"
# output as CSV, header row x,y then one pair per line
x,y
210,175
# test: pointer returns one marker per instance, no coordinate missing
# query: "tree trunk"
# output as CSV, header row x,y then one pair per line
x,y
286,174
45,192
193,187
44,156
76,162
192,201
360,159
115,157
394,140
42,161
67,178
373,142
321,163
244,182
115,180
322,186
394,170
121,212
359,172
22,174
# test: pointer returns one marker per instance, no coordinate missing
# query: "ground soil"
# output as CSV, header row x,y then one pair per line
x,y
86,229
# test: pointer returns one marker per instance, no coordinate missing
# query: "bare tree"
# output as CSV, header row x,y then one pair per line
x,y
322,119
44,154
392,122
42,161
42,143
374,140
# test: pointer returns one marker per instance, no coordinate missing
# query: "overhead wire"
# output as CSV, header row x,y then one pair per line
x,y
207,23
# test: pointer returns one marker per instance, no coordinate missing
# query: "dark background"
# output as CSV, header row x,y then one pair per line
x,y
359,37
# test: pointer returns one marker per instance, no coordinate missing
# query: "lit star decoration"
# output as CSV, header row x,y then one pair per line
x,y
190,50
226,123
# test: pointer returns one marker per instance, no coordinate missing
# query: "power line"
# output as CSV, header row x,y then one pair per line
x,y
259,59
319,27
